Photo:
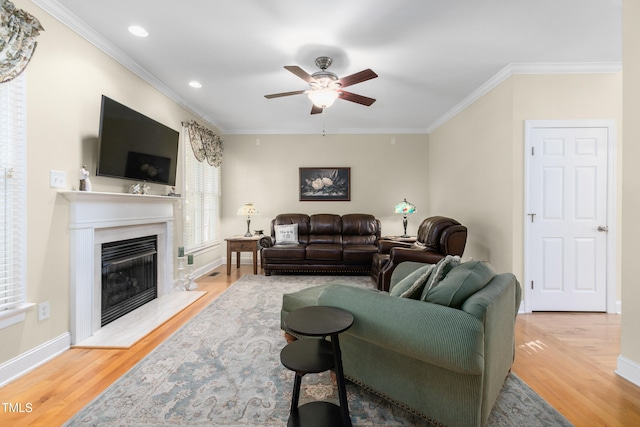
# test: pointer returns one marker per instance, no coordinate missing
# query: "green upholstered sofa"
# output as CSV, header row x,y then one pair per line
x,y
445,364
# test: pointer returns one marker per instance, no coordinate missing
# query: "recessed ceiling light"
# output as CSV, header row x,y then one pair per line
x,y
137,30
195,84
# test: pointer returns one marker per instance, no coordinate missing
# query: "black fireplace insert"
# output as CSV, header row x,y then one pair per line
x,y
129,276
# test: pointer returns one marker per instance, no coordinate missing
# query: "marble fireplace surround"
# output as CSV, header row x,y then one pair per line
x,y
97,218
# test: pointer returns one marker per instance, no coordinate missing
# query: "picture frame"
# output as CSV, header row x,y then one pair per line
x,y
330,184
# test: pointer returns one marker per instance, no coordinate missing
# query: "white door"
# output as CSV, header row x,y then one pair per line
x,y
566,223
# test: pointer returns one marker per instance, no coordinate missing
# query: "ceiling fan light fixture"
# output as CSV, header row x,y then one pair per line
x,y
326,87
323,98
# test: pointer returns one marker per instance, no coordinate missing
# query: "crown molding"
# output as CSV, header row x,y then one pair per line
x,y
526,68
566,68
364,131
62,14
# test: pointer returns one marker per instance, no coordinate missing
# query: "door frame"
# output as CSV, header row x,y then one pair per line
x,y
611,276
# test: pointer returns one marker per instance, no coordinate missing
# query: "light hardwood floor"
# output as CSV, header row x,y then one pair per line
x,y
569,359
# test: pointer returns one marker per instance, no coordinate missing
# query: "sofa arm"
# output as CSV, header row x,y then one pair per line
x,y
267,242
439,335
426,256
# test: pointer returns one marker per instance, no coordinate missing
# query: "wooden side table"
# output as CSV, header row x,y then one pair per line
x,y
409,239
239,244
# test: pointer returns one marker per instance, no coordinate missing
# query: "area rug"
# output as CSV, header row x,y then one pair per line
x,y
223,368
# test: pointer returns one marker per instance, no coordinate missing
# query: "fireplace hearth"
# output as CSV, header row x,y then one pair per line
x,y
129,276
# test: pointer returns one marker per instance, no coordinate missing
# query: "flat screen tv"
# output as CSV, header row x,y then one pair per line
x,y
135,147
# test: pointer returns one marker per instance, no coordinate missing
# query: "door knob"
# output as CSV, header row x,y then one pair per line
x,y
603,228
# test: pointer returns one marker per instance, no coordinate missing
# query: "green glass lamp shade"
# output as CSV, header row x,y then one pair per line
x,y
405,208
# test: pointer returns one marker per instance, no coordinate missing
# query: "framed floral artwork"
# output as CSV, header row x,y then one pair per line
x,y
325,184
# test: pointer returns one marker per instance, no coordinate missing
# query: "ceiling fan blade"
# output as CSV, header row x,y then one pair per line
x,y
315,109
358,99
300,73
278,95
362,76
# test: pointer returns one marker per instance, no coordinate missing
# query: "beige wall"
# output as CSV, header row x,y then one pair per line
x,y
65,80
486,179
470,175
631,184
264,169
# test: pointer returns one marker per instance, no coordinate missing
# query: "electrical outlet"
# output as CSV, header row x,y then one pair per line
x,y
43,310
57,179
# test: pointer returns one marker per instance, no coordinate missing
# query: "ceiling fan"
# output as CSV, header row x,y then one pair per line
x,y
326,87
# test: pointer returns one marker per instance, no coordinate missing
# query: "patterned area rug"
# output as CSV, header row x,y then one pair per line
x,y
223,368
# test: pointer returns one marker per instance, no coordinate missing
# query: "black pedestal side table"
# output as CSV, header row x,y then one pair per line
x,y
314,355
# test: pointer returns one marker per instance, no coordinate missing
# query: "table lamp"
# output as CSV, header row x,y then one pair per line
x,y
405,208
248,209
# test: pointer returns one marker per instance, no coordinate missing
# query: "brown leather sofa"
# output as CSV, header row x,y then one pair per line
x,y
437,237
326,243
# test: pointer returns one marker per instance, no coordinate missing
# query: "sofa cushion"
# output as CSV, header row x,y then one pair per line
x,y
324,252
359,225
358,253
325,224
441,270
293,218
460,283
286,234
369,239
430,277
410,286
285,252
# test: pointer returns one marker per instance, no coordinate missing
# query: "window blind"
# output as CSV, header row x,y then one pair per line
x,y
12,192
202,201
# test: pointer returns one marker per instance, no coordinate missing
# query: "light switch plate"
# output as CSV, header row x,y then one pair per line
x,y
57,179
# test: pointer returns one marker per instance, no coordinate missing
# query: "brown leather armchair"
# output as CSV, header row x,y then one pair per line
x,y
437,237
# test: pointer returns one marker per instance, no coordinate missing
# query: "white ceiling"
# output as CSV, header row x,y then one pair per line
x,y
430,55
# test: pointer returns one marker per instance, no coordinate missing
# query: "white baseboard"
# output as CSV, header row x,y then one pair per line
x,y
629,370
618,308
199,272
246,258
20,365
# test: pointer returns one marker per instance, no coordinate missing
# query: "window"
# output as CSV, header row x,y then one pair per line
x,y
13,196
202,201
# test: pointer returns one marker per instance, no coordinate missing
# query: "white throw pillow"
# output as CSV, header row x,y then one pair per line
x,y
286,234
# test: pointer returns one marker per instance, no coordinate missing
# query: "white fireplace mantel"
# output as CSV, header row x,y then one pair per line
x,y
96,218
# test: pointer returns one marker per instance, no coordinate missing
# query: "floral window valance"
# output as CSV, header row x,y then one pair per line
x,y
206,144
18,30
